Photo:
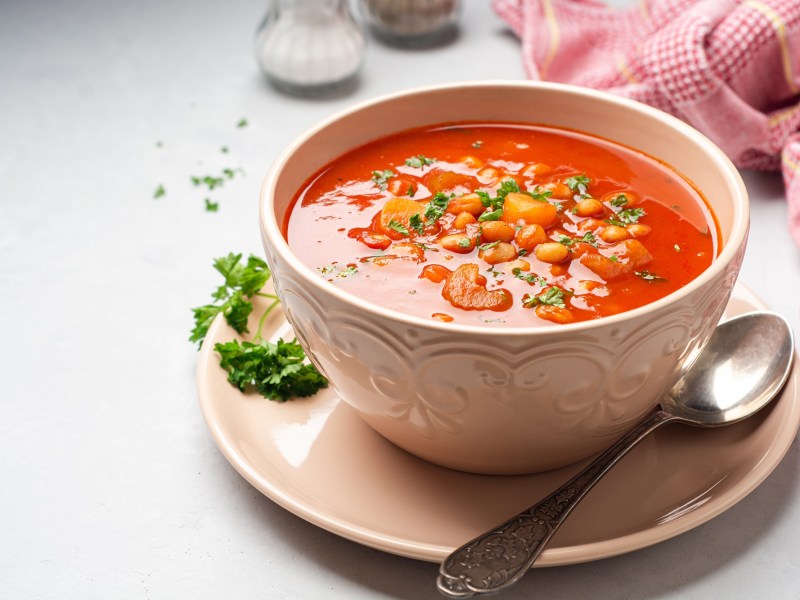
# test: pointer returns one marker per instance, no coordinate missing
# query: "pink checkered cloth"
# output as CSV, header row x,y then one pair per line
x,y
730,68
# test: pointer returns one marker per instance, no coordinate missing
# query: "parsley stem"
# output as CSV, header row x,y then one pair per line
x,y
263,318
263,295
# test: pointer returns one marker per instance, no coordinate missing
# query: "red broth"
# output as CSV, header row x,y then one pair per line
x,y
502,225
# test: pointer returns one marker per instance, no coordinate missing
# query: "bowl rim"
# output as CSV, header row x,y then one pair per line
x,y
270,228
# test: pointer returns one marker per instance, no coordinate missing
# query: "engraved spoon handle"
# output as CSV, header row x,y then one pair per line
x,y
495,560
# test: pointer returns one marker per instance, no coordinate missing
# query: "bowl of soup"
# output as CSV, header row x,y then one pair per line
x,y
503,277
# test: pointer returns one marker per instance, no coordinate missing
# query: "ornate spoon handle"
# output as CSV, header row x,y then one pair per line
x,y
498,558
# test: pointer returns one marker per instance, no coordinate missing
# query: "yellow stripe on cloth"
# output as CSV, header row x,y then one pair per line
x,y
780,30
555,35
789,162
622,66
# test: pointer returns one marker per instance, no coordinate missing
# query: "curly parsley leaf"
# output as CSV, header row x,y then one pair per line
x,y
627,216
436,208
578,184
619,201
398,226
551,295
416,224
419,161
276,371
531,278
380,178
492,215
241,282
160,191
587,237
211,206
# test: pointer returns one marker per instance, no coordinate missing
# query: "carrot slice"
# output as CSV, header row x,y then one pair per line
x,y
628,254
462,289
398,213
521,207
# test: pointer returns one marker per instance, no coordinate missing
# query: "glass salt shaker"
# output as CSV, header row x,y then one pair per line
x,y
309,46
411,22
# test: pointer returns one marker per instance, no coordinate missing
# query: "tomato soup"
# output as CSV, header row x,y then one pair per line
x,y
502,225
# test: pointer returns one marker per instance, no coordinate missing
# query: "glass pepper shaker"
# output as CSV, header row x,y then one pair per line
x,y
309,46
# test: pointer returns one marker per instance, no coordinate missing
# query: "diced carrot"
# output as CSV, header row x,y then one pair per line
x,y
628,256
521,207
462,290
378,241
449,181
435,273
398,211
556,314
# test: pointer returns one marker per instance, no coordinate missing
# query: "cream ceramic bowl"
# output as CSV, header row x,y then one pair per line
x,y
503,400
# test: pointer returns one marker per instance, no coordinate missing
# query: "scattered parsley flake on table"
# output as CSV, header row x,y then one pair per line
x,y
276,370
160,192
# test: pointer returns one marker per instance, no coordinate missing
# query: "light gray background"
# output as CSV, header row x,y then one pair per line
x,y
110,484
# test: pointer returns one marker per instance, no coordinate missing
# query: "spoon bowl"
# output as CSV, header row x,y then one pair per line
x,y
742,368
744,365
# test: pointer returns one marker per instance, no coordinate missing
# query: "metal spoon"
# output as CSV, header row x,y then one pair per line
x,y
741,369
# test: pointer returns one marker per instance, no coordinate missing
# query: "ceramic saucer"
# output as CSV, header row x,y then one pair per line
x,y
316,458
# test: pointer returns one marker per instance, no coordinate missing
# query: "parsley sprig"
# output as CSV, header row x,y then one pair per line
x,y
531,278
419,161
277,370
551,295
626,216
380,178
587,237
232,298
578,184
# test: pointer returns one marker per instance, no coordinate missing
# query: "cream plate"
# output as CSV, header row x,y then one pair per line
x,y
317,459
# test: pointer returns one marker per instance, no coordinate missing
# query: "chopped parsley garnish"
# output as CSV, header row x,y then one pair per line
x,y
648,276
436,207
587,237
416,224
211,206
488,245
232,298
464,242
619,201
493,215
160,192
541,194
552,296
410,192
241,123
209,180
380,178
224,149
277,371
627,216
578,183
419,161
326,269
348,271
398,226
613,258
477,144
531,278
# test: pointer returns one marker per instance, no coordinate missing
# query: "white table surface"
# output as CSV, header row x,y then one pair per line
x,y
110,483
